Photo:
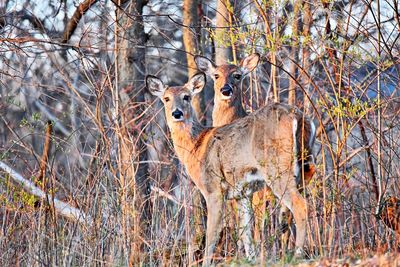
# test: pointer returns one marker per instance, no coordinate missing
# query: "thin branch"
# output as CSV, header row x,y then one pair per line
x,y
162,193
45,155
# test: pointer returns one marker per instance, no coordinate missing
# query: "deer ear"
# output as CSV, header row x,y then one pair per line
x,y
155,85
204,65
249,63
196,83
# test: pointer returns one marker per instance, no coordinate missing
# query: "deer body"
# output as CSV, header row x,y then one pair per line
x,y
228,98
228,108
233,161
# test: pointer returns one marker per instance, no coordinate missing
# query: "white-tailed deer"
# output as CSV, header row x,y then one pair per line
x,y
228,108
235,160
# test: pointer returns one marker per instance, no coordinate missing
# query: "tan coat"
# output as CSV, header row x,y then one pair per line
x,y
234,160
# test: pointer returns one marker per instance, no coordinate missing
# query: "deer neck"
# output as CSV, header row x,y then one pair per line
x,y
185,137
191,143
226,112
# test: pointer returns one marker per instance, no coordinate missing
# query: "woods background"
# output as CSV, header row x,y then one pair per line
x,y
88,175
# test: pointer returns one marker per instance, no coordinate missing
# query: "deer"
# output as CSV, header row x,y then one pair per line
x,y
235,160
228,107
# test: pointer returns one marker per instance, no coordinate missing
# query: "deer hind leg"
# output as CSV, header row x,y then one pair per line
x,y
246,217
298,206
287,191
214,225
284,227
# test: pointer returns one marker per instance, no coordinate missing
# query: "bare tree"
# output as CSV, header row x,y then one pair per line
x,y
223,52
294,51
190,32
130,63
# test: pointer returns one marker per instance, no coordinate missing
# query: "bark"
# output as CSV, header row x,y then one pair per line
x,y
45,156
191,20
294,53
222,53
131,41
269,36
307,22
131,66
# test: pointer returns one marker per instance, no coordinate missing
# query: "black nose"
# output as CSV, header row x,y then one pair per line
x,y
227,90
177,114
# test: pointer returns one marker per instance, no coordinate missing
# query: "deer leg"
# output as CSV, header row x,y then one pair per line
x,y
298,206
284,227
246,226
214,225
287,191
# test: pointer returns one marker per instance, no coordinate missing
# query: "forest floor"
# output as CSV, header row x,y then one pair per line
x,y
385,260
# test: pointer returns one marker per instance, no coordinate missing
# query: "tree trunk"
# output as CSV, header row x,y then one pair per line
x,y
294,53
269,39
307,22
191,19
130,62
223,53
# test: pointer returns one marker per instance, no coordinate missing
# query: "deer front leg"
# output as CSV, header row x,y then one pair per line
x,y
246,216
214,225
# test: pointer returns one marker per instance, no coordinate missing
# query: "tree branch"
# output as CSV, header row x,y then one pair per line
x,y
74,21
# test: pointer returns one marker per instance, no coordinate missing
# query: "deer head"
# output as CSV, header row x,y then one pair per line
x,y
177,100
227,78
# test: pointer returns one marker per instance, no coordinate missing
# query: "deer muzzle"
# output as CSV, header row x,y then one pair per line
x,y
177,115
227,90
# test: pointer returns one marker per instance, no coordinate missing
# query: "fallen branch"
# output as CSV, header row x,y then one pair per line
x,y
61,207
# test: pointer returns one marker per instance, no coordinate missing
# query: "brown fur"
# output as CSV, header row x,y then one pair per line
x,y
224,161
390,213
228,110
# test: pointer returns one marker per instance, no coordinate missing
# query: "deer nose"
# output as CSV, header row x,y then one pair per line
x,y
177,114
227,90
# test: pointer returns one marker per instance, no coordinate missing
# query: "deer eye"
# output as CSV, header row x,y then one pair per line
x,y
216,76
186,97
166,99
237,76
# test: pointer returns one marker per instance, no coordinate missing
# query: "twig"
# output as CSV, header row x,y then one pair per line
x,y
45,155
162,193
61,207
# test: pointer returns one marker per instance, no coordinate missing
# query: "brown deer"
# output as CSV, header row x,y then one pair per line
x,y
228,108
235,160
